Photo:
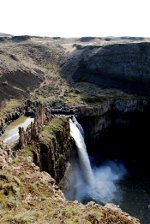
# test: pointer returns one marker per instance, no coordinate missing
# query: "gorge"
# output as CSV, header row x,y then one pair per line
x,y
114,134
97,88
114,139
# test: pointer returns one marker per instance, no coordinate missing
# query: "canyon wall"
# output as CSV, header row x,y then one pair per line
x,y
50,142
56,147
123,66
119,131
111,112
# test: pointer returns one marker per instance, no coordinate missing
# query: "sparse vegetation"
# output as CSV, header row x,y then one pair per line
x,y
9,107
55,125
26,195
34,187
32,68
28,151
42,69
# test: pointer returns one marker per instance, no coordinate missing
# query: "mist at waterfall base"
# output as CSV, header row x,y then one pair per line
x,y
88,183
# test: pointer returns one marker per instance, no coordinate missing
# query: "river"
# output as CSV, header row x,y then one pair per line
x,y
11,134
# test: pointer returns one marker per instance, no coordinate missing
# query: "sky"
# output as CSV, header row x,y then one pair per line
x,y
75,18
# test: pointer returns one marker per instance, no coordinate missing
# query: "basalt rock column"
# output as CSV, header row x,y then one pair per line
x,y
41,114
34,128
22,137
34,132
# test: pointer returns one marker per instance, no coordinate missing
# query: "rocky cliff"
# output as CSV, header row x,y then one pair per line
x,y
56,147
123,66
30,196
51,146
110,112
118,130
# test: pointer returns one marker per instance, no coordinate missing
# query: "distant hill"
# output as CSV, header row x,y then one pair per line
x,y
74,71
5,35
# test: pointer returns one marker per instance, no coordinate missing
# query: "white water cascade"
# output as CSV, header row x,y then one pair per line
x,y
77,133
97,183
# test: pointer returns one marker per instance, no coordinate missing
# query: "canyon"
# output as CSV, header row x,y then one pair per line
x,y
104,83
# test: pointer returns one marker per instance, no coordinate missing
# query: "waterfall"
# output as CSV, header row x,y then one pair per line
x,y
97,183
77,133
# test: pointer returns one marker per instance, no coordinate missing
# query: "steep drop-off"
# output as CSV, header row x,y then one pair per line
x,y
30,196
120,66
53,148
118,130
56,147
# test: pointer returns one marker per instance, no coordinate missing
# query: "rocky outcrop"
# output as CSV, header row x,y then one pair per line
x,y
39,121
55,147
50,137
108,111
28,195
33,132
22,137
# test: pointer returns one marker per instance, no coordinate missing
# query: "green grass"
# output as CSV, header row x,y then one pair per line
x,y
27,151
34,187
56,125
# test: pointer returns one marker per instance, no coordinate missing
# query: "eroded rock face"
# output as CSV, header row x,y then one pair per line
x,y
119,132
127,106
33,132
55,147
123,66
120,60
111,112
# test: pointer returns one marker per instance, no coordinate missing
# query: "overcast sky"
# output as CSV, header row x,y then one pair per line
x,y
75,18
